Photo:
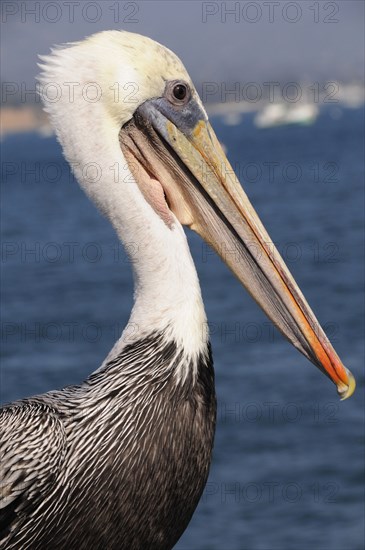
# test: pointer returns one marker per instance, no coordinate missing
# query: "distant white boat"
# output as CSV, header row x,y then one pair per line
x,y
232,119
351,95
278,114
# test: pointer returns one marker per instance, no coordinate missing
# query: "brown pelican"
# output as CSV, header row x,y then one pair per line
x,y
120,461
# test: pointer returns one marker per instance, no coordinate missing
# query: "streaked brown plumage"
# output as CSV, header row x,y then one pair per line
x,y
119,462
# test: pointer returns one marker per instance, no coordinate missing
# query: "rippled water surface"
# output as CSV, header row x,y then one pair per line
x,y
287,465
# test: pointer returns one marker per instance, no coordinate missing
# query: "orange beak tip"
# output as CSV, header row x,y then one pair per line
x,y
346,390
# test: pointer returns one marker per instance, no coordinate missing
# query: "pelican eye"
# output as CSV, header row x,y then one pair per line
x,y
178,92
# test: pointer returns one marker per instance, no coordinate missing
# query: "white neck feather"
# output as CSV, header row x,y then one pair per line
x,y
167,291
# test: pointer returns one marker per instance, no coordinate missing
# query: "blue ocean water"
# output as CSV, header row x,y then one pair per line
x,y
288,459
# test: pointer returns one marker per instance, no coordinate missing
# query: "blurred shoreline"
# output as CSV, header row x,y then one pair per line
x,y
29,117
24,118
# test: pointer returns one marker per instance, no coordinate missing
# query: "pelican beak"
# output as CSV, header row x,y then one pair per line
x,y
216,207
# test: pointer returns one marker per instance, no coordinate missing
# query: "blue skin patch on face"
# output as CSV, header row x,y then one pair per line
x,y
184,115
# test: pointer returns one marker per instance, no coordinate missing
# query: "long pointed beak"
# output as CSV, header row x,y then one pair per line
x,y
219,210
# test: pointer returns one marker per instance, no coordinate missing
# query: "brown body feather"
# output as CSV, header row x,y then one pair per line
x,y
121,461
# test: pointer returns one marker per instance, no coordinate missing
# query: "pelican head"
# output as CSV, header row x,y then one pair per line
x,y
139,141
